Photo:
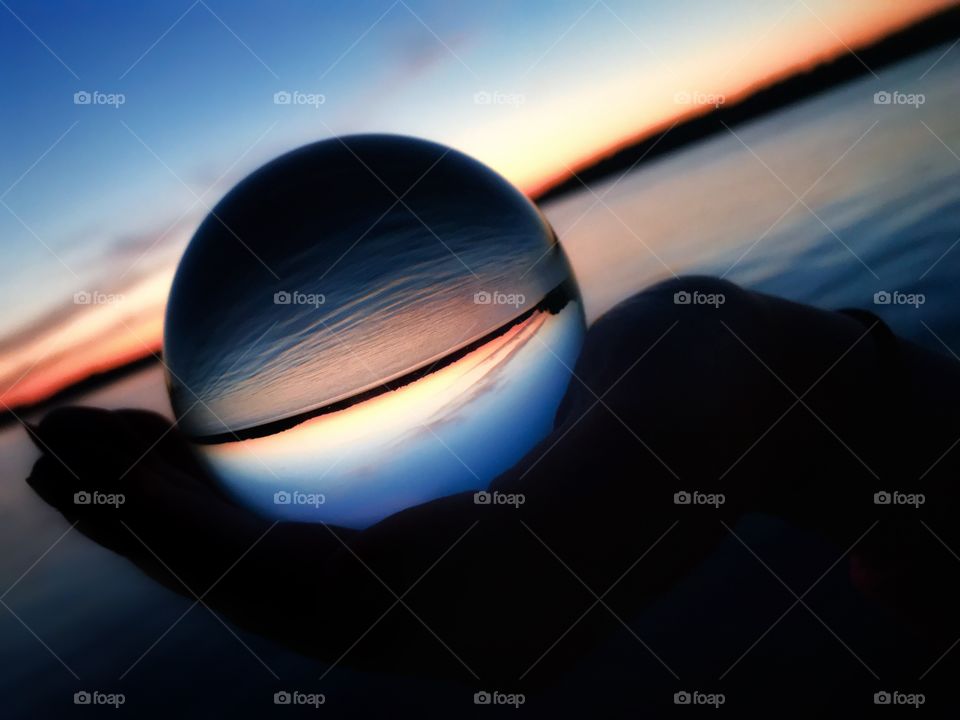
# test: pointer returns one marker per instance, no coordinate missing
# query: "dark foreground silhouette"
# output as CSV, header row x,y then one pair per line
x,y
782,408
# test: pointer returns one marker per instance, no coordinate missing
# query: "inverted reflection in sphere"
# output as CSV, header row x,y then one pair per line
x,y
365,324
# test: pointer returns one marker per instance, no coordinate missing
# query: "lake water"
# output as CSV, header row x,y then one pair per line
x,y
880,212
880,190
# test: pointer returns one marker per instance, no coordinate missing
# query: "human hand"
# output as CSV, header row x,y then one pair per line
x,y
665,398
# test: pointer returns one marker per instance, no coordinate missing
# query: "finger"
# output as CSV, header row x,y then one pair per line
x,y
89,443
100,448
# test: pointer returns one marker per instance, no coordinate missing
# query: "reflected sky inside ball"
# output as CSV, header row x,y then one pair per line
x,y
368,323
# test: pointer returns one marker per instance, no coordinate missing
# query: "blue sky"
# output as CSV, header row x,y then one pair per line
x,y
100,197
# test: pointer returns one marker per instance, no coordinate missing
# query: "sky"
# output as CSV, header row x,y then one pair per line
x,y
124,123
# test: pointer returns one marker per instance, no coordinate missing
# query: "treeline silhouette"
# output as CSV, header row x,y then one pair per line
x,y
933,30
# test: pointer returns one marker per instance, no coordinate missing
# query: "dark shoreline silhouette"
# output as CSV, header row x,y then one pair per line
x,y
934,30
88,384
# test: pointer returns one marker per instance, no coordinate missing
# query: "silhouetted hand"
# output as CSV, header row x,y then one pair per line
x,y
777,407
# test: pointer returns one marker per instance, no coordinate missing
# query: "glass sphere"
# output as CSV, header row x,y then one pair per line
x,y
365,324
